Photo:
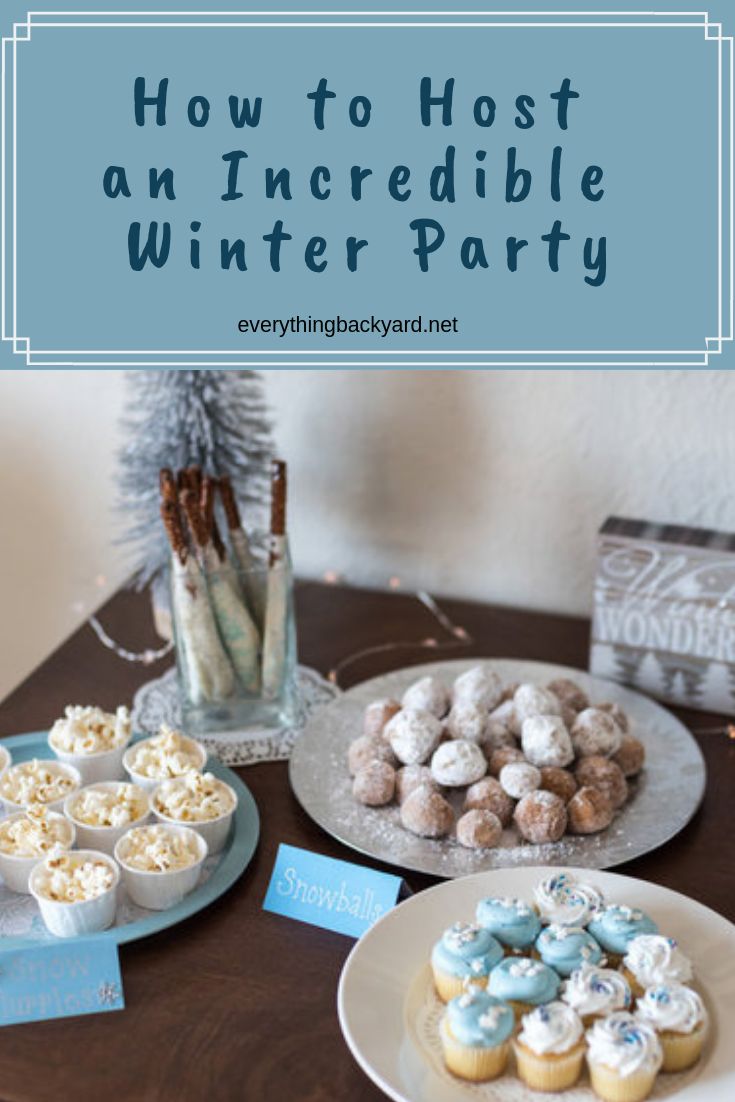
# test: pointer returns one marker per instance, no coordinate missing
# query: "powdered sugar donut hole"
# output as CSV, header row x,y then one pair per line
x,y
487,795
479,829
595,732
481,686
545,741
411,777
413,735
374,784
518,778
429,694
426,813
569,692
541,817
458,763
377,714
532,700
467,720
364,750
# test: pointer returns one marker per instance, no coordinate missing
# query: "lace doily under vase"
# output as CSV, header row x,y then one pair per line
x,y
157,702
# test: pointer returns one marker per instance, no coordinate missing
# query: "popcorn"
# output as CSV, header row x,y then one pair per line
x,y
36,782
90,730
168,754
194,798
69,878
109,805
34,834
159,849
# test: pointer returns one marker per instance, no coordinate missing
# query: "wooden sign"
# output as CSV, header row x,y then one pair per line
x,y
664,612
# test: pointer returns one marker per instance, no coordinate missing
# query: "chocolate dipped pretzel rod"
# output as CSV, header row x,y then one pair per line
x,y
276,611
235,624
209,673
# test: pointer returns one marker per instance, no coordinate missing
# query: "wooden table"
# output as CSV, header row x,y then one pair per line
x,y
238,1004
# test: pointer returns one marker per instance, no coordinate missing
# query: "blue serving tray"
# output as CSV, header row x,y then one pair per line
x,y
20,921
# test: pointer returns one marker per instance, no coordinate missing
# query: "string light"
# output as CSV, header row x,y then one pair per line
x,y
460,637
146,657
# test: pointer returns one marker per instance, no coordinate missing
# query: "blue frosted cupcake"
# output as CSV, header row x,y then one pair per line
x,y
566,948
524,983
463,953
512,921
475,1034
614,927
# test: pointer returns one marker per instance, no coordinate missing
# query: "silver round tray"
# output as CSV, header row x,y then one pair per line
x,y
663,798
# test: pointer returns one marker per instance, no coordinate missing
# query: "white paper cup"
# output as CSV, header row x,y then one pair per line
x,y
5,759
16,870
214,831
88,916
149,783
103,838
54,805
105,765
157,891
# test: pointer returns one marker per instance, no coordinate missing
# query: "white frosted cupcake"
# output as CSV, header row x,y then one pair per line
x,y
103,812
38,782
92,740
550,1047
26,838
652,960
76,892
165,755
160,864
678,1015
200,801
624,1056
562,901
595,992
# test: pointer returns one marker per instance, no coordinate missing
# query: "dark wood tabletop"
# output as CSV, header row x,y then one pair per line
x,y
237,1003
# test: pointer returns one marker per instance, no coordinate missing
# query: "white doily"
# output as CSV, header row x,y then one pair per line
x,y
157,702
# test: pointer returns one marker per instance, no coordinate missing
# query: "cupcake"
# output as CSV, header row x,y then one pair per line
x,y
550,1048
652,960
524,983
616,925
512,921
463,953
595,992
475,1032
565,948
679,1017
624,1056
561,901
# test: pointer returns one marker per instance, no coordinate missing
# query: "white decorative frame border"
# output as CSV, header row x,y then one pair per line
x,y
522,358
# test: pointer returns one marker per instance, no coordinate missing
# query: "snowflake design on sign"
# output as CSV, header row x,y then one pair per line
x,y
109,993
157,702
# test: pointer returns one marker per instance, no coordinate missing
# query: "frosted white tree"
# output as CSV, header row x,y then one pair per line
x,y
216,419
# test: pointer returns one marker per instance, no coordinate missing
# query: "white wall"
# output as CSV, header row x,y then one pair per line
x,y
485,484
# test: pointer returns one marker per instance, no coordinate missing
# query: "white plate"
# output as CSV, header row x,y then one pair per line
x,y
664,797
388,1012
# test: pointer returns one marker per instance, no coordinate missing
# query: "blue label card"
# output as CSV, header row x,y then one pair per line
x,y
325,892
60,979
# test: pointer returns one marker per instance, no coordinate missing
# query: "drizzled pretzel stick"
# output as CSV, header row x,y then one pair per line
x,y
167,484
278,508
206,504
174,529
229,504
275,631
190,504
